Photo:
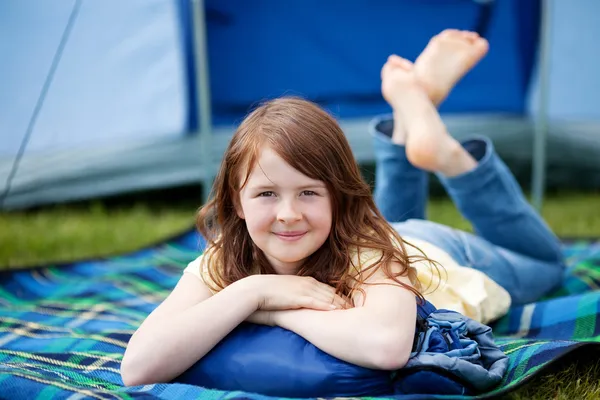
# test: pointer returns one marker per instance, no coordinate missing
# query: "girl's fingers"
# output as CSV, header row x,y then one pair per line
x,y
324,291
337,301
328,294
342,302
327,298
347,302
324,302
316,304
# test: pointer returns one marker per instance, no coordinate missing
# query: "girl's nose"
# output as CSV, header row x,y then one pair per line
x,y
288,212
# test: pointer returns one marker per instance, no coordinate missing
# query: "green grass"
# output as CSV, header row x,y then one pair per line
x,y
113,226
64,233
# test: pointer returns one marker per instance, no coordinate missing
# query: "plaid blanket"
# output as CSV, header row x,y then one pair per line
x,y
64,328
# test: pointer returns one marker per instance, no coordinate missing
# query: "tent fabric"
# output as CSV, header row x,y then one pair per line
x,y
119,78
119,82
64,328
332,52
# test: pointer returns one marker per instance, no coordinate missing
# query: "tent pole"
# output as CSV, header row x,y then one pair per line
x,y
541,120
204,98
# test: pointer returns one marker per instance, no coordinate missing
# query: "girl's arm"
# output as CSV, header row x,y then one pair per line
x,y
379,334
191,321
182,329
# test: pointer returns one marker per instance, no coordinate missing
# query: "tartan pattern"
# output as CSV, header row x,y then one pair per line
x,y
64,328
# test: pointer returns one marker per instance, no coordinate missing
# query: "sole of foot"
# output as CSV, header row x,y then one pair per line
x,y
446,59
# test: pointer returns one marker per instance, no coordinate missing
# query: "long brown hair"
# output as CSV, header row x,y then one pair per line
x,y
312,142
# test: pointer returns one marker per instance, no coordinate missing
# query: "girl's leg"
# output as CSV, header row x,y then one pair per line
x,y
515,248
400,188
481,186
525,278
491,199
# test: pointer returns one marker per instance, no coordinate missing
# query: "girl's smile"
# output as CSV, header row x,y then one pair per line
x,y
290,236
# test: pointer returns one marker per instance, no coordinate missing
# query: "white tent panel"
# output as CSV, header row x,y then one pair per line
x,y
120,75
574,62
119,83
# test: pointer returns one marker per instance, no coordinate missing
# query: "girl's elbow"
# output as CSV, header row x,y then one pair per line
x,y
132,373
392,360
129,376
130,379
392,353
135,372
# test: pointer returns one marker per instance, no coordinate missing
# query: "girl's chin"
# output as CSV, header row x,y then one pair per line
x,y
286,265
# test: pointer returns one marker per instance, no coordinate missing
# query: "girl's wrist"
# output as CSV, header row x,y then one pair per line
x,y
247,290
270,317
278,318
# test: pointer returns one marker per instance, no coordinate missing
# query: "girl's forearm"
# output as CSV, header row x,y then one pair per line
x,y
165,348
351,335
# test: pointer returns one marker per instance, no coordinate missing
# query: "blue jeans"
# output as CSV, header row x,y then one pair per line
x,y
512,244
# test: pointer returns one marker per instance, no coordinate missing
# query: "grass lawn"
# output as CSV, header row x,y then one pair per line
x,y
118,225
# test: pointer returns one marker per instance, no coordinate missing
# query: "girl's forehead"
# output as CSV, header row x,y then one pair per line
x,y
270,168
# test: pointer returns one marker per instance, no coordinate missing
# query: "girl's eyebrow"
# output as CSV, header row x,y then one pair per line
x,y
273,186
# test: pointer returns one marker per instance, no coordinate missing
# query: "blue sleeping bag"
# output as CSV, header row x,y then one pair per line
x,y
452,354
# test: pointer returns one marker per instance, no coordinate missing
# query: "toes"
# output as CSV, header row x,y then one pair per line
x,y
398,61
481,44
469,35
385,69
392,59
401,62
449,33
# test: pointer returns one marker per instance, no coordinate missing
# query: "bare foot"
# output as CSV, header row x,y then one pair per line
x,y
446,59
428,144
396,76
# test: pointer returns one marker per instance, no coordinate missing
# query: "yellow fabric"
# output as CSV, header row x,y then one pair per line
x,y
462,289
456,287
199,268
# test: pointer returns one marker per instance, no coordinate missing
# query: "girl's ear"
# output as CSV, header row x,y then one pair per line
x,y
239,211
237,204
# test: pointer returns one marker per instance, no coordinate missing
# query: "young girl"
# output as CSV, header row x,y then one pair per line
x,y
296,240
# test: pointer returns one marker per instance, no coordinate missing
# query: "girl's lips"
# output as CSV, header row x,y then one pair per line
x,y
290,236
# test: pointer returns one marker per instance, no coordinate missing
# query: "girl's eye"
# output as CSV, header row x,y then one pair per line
x,y
266,194
309,193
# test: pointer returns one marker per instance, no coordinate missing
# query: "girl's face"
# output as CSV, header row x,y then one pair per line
x,y
288,214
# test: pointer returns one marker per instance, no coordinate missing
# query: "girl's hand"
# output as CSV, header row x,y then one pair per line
x,y
289,292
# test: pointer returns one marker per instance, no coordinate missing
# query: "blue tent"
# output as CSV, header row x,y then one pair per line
x,y
101,97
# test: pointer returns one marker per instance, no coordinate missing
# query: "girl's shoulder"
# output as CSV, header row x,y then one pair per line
x,y
196,266
201,268
208,268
